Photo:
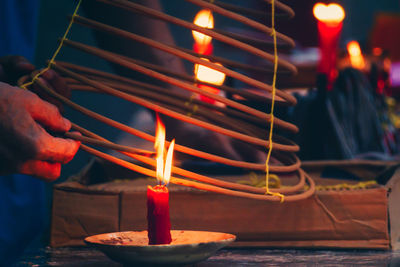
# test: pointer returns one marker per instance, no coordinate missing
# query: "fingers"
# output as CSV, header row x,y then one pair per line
x,y
48,115
57,83
21,65
27,146
48,171
15,67
55,149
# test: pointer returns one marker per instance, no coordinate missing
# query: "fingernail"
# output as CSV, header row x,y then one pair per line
x,y
67,124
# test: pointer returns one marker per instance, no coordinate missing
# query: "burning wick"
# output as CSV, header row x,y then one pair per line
x,y
330,25
158,221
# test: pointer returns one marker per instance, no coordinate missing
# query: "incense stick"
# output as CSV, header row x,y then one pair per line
x,y
173,114
199,177
202,186
177,52
148,137
109,145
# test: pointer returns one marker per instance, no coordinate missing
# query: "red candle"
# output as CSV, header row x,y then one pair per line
x,y
204,49
330,25
158,221
328,42
210,90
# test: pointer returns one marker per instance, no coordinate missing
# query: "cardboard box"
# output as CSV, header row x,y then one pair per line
x,y
340,219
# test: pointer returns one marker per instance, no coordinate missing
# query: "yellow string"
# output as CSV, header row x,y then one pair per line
x,y
256,181
24,86
189,103
270,146
345,186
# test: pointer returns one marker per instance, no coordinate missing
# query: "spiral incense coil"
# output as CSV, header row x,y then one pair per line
x,y
234,119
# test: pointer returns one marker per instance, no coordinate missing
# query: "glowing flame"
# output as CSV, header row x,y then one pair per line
x,y
168,162
356,57
206,74
159,147
205,19
332,13
164,165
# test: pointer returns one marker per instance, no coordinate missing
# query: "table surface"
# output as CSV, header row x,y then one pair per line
x,y
88,257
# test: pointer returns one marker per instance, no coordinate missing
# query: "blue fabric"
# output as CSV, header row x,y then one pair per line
x,y
22,214
22,198
18,26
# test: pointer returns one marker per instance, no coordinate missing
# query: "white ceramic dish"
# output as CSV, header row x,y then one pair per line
x,y
186,247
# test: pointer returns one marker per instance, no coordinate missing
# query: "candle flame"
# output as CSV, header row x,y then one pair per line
x,y
168,162
205,19
356,57
159,144
332,13
206,74
164,164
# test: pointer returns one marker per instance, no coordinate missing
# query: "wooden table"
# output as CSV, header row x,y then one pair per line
x,y
229,257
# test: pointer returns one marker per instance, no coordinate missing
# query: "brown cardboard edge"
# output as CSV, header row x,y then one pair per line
x,y
65,187
393,187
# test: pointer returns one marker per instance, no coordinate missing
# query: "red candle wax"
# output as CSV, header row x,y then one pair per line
x,y
204,49
158,222
329,34
210,90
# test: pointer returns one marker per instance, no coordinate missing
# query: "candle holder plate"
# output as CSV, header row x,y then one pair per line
x,y
187,247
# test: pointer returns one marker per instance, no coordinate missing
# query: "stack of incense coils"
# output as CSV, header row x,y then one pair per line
x,y
235,119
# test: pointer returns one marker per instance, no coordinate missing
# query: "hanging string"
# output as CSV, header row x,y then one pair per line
x,y
25,85
270,145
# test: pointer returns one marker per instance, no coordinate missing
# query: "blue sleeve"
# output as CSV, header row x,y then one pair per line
x,y
22,213
18,27
22,198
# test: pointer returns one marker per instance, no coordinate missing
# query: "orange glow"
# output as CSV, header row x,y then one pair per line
x,y
332,13
377,51
355,55
205,19
206,74
164,165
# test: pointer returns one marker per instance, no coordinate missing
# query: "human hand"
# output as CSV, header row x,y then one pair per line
x,y
25,145
53,80
14,67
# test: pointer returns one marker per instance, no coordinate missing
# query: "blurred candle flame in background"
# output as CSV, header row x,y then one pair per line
x,y
356,57
206,74
205,19
332,13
